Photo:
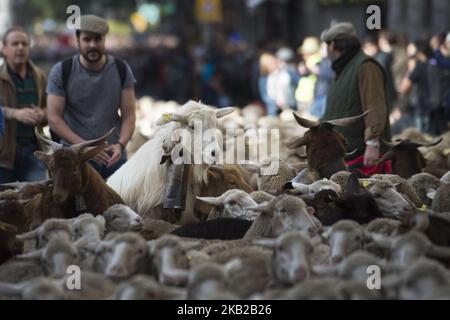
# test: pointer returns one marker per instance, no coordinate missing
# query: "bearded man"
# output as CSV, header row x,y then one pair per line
x,y
85,92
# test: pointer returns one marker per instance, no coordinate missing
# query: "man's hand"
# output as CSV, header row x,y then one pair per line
x,y
27,116
116,153
40,114
371,156
102,158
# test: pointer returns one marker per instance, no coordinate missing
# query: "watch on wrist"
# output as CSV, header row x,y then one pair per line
x,y
373,143
122,146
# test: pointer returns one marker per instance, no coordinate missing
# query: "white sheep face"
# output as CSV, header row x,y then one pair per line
x,y
390,202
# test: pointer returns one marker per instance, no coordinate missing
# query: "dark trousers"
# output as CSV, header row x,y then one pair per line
x,y
27,168
106,172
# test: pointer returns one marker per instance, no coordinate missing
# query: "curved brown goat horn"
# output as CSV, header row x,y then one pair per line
x,y
430,144
392,144
346,121
387,157
297,143
79,147
52,144
305,123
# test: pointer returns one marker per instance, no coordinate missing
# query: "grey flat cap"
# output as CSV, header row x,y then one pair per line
x,y
339,31
91,23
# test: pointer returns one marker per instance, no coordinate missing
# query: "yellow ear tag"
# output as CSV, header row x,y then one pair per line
x,y
366,184
424,208
332,204
167,117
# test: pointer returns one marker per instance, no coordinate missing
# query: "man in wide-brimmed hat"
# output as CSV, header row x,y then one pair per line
x,y
359,87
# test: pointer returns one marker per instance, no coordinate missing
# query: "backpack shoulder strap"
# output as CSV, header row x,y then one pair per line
x,y
66,66
122,69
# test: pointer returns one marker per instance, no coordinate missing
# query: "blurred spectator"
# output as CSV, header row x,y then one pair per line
x,y
22,100
442,56
325,76
279,87
1,124
268,66
417,82
310,51
372,49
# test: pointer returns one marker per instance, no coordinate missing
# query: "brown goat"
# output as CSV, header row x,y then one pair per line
x,y
7,236
18,213
406,159
46,209
74,180
325,148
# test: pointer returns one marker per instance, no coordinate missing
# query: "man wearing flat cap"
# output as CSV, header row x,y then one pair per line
x,y
85,93
359,86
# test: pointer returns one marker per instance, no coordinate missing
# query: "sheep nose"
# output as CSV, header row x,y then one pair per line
x,y
337,259
300,273
138,220
213,153
116,271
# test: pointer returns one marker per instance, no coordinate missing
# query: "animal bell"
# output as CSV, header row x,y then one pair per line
x,y
176,187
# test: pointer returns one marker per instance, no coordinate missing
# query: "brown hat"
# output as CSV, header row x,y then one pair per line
x,y
339,31
95,24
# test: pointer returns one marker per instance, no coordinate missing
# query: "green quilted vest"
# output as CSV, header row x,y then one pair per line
x,y
344,101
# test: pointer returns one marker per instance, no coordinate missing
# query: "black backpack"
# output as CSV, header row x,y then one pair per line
x,y
66,66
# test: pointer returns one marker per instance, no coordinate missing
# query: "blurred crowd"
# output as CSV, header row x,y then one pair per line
x,y
417,77
277,77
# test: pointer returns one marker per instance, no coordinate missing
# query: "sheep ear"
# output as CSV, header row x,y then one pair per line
x,y
29,235
43,157
252,167
263,208
232,265
210,200
266,243
439,252
220,113
32,204
353,185
88,155
431,193
101,219
151,247
324,270
302,188
381,241
31,255
170,117
10,289
191,245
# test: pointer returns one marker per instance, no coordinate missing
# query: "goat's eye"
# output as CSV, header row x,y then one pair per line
x,y
377,196
281,248
191,126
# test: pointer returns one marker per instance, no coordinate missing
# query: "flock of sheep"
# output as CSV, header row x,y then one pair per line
x,y
313,230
